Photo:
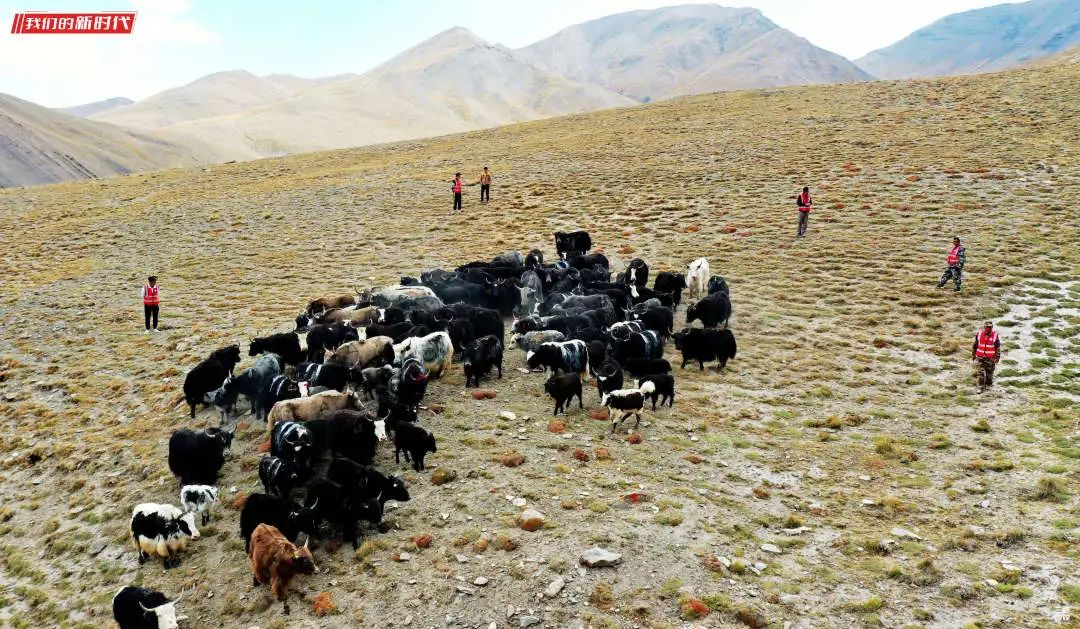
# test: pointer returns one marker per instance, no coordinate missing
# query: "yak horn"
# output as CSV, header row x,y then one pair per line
x,y
179,598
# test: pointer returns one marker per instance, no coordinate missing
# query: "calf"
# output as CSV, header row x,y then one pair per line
x,y
697,276
330,502
629,401
609,377
286,345
162,530
415,441
434,351
480,356
281,513
644,366
712,310
532,292
664,388
198,499
328,336
563,388
703,345
275,560
206,377
354,317
372,351
310,408
568,356
141,608
534,259
278,476
670,283
197,457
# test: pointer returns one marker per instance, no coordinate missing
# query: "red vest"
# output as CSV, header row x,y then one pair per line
x,y
151,296
954,256
457,186
986,344
804,202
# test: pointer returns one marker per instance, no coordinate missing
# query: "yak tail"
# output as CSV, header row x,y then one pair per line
x,y
648,387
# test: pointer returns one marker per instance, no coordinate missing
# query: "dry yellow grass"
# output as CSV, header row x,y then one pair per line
x,y
851,365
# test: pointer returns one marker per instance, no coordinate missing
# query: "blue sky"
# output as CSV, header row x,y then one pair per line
x,y
177,41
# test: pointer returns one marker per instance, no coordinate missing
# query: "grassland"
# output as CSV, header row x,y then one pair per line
x,y
849,412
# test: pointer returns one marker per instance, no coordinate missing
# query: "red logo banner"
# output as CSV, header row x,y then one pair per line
x,y
47,23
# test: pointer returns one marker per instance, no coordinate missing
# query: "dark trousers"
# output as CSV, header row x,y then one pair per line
x,y
954,273
984,372
457,201
485,192
804,218
150,312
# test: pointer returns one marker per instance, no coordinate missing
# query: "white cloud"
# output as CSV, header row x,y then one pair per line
x,y
61,70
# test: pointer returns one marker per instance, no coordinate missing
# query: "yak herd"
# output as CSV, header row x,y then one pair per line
x,y
362,374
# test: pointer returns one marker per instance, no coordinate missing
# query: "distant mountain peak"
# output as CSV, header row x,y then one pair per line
x,y
89,109
980,40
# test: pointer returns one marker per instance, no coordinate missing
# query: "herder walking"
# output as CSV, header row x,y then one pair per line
x,y
985,354
455,185
804,203
151,302
485,185
955,268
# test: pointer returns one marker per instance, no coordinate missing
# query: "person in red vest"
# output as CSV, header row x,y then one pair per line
x,y
985,353
955,262
804,203
151,301
455,185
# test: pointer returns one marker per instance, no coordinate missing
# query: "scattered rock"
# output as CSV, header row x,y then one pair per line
x,y
751,618
553,588
481,581
443,475
528,621
508,416
597,557
512,458
771,548
581,455
402,557
484,394
598,413
530,520
519,502
461,558
421,541
602,454
902,532
556,426
466,590
633,438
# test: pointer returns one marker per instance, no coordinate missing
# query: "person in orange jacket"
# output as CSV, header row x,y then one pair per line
x,y
151,300
804,203
985,354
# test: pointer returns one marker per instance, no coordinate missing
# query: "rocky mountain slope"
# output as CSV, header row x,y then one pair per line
x,y
982,40
42,145
691,49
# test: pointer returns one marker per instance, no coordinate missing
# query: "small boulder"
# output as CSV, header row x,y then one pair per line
x,y
513,458
530,520
443,475
597,557
553,588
